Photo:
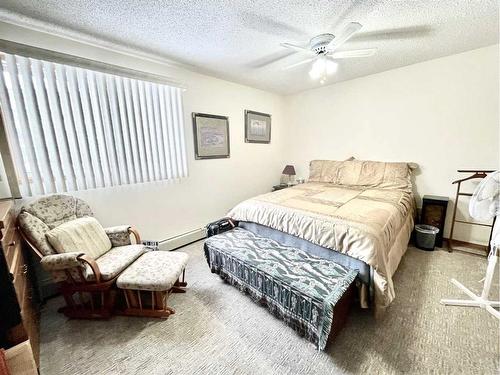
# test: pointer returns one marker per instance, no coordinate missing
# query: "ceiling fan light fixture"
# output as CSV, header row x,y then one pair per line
x,y
331,67
317,68
323,52
322,68
314,74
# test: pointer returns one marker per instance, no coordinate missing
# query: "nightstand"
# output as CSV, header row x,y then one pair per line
x,y
434,213
280,187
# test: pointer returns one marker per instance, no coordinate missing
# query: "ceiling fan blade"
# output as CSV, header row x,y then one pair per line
x,y
271,59
410,32
297,48
269,25
354,53
344,36
298,64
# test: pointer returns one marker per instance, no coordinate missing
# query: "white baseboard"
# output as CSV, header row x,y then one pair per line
x,y
182,239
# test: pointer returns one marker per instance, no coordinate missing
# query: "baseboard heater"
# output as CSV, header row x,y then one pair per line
x,y
183,239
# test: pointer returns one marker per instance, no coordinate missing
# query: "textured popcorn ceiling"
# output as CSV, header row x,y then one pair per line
x,y
231,39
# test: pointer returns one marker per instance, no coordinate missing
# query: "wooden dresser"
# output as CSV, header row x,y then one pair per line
x,y
18,264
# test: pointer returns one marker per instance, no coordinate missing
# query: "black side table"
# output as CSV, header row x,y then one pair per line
x,y
280,187
434,213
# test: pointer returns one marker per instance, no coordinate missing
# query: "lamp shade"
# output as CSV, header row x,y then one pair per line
x,y
289,170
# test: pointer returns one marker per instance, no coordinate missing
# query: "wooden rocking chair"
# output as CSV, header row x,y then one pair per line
x,y
85,283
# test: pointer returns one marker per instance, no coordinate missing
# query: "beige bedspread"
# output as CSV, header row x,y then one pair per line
x,y
361,222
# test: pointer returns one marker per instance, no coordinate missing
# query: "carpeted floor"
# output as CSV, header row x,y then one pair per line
x,y
218,330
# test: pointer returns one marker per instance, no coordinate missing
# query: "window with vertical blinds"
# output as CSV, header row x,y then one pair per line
x,y
72,129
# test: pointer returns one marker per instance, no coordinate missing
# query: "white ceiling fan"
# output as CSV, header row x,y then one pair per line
x,y
322,50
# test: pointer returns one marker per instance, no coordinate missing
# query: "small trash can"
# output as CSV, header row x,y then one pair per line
x,y
425,236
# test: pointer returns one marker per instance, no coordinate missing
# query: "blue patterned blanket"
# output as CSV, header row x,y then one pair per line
x,y
297,287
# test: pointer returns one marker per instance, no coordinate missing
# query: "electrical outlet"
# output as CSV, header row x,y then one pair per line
x,y
153,245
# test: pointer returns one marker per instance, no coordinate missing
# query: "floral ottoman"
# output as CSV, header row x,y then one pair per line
x,y
148,282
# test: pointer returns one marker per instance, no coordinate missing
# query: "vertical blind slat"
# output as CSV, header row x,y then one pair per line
x,y
139,132
35,123
132,130
145,129
152,131
88,118
108,129
48,129
175,115
71,128
116,128
171,134
22,118
58,125
159,134
81,136
100,138
127,147
164,129
13,134
182,140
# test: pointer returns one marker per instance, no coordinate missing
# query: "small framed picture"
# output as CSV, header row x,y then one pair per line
x,y
211,136
257,127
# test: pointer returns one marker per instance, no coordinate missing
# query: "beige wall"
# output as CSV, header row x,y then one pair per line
x,y
161,210
442,114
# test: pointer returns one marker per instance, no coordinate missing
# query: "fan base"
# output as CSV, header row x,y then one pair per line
x,y
319,42
481,301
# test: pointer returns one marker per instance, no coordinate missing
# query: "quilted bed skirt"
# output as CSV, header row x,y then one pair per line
x,y
297,287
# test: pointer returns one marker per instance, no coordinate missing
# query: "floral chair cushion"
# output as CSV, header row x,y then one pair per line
x,y
38,217
154,271
119,235
59,262
58,265
115,261
34,229
57,209
85,235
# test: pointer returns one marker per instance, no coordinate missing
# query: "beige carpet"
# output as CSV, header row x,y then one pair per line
x,y
218,330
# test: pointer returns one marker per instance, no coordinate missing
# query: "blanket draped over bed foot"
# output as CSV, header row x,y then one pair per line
x,y
297,287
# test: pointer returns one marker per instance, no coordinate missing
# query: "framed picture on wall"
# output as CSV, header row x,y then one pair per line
x,y
257,127
211,136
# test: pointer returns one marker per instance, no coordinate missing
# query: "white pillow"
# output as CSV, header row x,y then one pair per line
x,y
84,235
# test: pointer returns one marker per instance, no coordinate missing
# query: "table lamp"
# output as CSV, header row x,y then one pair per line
x,y
289,171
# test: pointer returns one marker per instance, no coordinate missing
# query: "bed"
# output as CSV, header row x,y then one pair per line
x,y
358,213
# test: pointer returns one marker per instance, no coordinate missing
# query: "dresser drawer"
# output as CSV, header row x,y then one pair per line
x,y
11,241
30,317
8,221
7,234
19,270
16,257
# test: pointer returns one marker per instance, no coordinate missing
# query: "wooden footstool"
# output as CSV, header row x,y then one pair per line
x,y
148,282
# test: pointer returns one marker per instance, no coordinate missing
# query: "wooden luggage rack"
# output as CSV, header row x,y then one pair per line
x,y
475,174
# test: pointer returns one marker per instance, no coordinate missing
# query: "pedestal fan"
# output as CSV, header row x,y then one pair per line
x,y
484,205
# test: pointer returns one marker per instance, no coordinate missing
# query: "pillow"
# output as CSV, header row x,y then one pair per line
x,y
83,235
363,173
324,171
375,174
